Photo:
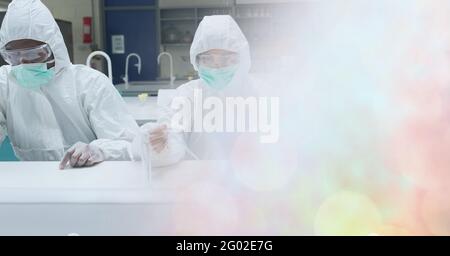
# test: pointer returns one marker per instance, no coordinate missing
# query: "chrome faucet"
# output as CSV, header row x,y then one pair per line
x,y
108,60
125,77
172,77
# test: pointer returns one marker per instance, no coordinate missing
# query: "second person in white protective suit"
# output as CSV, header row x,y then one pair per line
x,y
51,109
220,53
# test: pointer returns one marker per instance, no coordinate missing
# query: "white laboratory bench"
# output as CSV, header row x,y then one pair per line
x,y
143,112
112,198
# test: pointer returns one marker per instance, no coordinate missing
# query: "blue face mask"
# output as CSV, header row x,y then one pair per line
x,y
33,76
217,78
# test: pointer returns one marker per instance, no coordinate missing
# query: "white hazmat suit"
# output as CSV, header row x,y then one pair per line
x,y
78,105
216,32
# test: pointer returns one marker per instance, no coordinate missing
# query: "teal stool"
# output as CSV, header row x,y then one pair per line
x,y
6,151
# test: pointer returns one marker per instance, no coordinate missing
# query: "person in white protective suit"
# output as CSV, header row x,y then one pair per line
x,y
51,109
220,53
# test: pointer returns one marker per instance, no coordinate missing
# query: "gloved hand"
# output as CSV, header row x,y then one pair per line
x,y
158,138
82,155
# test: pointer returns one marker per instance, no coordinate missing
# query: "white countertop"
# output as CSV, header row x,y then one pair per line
x,y
112,198
143,112
108,182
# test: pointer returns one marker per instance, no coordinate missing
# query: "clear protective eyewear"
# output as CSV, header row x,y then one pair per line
x,y
38,54
212,60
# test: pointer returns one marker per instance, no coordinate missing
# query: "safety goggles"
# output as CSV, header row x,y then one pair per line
x,y
38,54
212,60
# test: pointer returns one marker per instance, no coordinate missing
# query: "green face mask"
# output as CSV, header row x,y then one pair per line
x,y
32,76
217,78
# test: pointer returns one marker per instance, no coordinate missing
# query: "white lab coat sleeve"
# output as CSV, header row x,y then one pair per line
x,y
3,101
2,125
2,120
178,147
113,125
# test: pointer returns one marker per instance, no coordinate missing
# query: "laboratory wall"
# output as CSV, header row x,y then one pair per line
x,y
74,11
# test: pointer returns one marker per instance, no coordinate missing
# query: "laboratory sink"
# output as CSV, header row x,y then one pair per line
x,y
150,87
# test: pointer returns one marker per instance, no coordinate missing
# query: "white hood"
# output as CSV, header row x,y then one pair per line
x,y
30,19
221,32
